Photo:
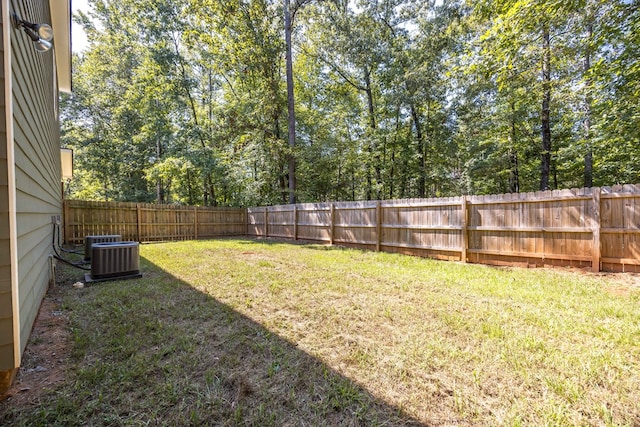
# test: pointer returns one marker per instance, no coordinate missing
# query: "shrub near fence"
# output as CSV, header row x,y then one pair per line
x,y
145,222
596,227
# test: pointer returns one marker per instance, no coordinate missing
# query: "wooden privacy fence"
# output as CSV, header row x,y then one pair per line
x,y
597,227
144,222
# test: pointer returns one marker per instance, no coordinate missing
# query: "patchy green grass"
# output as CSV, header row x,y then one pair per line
x,y
239,332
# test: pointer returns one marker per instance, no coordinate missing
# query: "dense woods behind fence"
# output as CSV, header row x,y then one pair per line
x,y
590,227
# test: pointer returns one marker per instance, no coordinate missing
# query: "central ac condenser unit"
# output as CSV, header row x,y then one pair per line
x,y
90,240
114,260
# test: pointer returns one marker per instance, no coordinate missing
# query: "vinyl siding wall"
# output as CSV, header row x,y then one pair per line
x,y
37,158
6,313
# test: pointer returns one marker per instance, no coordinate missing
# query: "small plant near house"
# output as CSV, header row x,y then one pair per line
x,y
241,332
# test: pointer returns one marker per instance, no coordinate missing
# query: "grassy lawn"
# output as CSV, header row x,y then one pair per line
x,y
239,332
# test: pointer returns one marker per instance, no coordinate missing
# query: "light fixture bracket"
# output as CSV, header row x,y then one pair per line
x,y
40,34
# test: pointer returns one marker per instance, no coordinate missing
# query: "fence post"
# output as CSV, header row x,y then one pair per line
x,y
378,226
332,224
295,222
176,228
195,222
464,236
266,222
595,224
138,225
245,213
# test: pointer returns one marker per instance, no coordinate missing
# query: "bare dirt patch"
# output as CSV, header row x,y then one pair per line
x,y
622,284
45,360
617,283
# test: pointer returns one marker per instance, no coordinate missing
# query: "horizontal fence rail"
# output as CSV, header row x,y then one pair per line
x,y
589,227
145,222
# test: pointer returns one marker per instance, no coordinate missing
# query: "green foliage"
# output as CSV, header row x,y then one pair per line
x,y
185,102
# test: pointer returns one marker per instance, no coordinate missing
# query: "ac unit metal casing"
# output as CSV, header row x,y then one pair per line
x,y
90,240
114,260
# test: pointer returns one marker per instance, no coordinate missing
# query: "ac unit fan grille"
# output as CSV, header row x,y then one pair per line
x,y
90,240
114,260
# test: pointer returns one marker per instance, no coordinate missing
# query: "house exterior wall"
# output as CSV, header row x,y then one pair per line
x,y
30,191
6,312
37,162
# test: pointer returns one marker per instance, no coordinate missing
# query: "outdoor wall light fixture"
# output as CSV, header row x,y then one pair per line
x,y
41,34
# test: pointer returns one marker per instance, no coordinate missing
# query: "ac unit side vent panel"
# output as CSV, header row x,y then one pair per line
x,y
90,240
112,260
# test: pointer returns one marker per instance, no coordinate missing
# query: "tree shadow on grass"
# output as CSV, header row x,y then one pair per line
x,y
157,351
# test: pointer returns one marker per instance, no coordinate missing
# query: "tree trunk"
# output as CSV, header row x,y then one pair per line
x,y
159,188
291,105
545,168
588,155
373,149
282,184
190,188
422,155
392,172
514,174
209,191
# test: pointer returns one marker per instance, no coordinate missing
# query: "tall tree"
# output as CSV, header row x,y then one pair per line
x,y
588,154
545,114
288,28
188,101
